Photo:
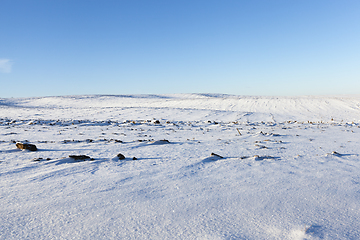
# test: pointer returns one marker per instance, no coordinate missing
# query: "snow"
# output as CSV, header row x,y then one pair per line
x,y
287,167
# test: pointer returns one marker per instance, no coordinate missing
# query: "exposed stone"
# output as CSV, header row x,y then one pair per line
x,y
80,157
27,146
120,156
215,155
41,159
163,141
335,153
260,146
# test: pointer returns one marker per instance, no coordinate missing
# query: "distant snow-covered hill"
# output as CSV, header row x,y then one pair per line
x,y
233,108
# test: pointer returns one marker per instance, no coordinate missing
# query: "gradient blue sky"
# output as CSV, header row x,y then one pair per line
x,y
257,47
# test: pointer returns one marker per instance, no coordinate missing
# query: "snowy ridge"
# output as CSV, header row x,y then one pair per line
x,y
240,108
196,166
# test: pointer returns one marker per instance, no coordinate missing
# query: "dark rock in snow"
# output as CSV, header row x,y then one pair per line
x,y
80,157
41,159
164,141
27,146
215,155
120,156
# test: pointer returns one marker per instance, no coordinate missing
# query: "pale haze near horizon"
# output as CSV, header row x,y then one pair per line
x,y
51,48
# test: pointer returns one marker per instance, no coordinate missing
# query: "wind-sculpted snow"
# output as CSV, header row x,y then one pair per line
x,y
192,166
187,107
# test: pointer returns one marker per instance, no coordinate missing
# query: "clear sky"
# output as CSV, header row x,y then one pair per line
x,y
252,47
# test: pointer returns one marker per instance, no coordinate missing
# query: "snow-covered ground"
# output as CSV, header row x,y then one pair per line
x,y
290,167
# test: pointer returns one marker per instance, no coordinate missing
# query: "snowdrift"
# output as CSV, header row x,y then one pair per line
x,y
192,166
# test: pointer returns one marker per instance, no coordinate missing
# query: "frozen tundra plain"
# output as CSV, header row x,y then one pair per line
x,y
282,168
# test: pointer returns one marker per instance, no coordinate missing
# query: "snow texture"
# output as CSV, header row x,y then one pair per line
x,y
197,166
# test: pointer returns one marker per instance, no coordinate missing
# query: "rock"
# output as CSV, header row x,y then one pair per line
x,y
215,155
260,146
335,153
120,156
260,158
80,157
41,159
164,141
27,146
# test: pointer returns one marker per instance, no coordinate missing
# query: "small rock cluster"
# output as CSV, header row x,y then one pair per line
x,y
120,156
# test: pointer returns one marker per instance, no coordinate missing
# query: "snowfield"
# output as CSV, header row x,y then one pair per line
x,y
197,166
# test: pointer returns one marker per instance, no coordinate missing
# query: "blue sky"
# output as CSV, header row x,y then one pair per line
x,y
70,47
